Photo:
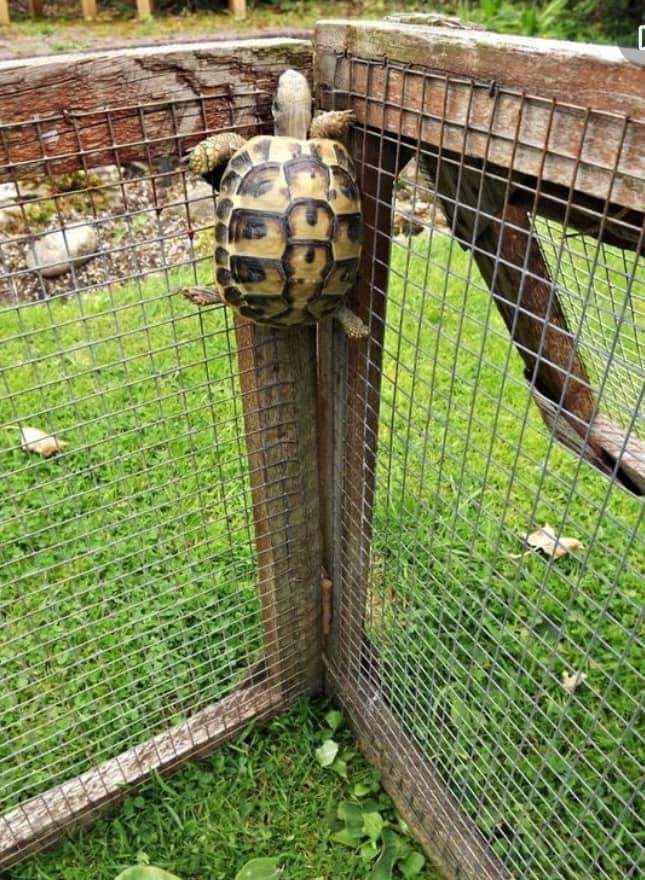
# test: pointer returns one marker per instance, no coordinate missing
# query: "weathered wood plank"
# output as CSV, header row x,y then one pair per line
x,y
350,382
5,17
144,9
42,820
88,9
451,839
237,8
530,83
167,97
278,382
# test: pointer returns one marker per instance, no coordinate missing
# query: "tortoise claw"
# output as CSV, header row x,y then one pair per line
x,y
201,296
334,124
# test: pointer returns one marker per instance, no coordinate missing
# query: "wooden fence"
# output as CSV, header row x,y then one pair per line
x,y
89,9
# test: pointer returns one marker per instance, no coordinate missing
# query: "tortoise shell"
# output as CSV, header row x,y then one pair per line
x,y
288,230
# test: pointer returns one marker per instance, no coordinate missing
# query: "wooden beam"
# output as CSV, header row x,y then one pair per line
x,y
237,8
278,382
144,9
168,96
451,839
88,10
448,81
5,18
40,821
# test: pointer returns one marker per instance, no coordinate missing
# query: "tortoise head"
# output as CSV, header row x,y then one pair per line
x,y
292,106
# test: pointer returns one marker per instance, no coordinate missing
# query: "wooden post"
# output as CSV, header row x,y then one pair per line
x,y
88,9
237,8
278,382
36,8
5,18
144,9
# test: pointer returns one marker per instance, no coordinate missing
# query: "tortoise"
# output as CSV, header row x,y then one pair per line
x,y
288,223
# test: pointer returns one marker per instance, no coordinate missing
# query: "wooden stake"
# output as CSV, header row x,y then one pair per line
x,y
278,381
36,8
237,8
5,18
144,9
88,9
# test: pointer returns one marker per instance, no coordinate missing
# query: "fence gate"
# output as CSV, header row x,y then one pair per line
x,y
468,478
484,462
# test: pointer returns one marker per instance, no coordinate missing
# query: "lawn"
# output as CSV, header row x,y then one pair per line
x,y
128,586
262,795
475,635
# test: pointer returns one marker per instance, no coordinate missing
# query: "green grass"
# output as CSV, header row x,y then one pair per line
x,y
128,565
128,584
473,641
262,795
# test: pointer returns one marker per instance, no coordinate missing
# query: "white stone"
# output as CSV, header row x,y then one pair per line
x,y
55,252
8,194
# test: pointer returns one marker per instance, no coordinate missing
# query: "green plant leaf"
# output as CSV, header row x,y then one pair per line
x,y
326,754
351,814
412,865
334,719
369,851
373,825
384,867
259,869
146,872
340,767
348,837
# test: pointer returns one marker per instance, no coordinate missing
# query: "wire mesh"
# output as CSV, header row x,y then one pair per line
x,y
489,579
130,579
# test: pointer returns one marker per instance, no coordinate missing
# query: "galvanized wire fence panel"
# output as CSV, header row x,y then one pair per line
x,y
488,579
141,618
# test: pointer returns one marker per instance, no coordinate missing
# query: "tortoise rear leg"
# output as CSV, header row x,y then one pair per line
x,y
350,322
334,125
209,157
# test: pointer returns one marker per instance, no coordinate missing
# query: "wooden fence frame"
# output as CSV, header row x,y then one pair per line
x,y
349,382
277,379
347,403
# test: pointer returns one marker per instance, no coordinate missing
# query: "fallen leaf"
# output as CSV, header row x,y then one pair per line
x,y
546,539
40,442
326,754
571,681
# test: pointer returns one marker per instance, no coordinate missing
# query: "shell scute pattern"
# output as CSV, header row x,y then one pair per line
x,y
289,229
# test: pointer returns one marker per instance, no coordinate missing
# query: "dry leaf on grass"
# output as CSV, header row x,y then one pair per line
x,y
40,442
546,539
571,681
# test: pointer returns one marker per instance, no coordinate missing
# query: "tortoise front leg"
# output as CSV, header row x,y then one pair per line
x,y
334,125
202,296
350,322
209,157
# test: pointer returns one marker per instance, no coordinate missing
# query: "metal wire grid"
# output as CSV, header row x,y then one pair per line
x,y
472,635
128,564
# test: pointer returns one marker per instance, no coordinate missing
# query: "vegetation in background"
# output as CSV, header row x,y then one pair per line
x,y
605,21
265,795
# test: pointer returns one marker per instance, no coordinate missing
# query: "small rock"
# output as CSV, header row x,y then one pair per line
x,y
54,253
108,173
201,204
8,194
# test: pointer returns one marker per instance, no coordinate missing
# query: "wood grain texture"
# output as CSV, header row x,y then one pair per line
x,y
39,822
530,84
450,838
378,163
88,9
278,383
161,101
499,233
